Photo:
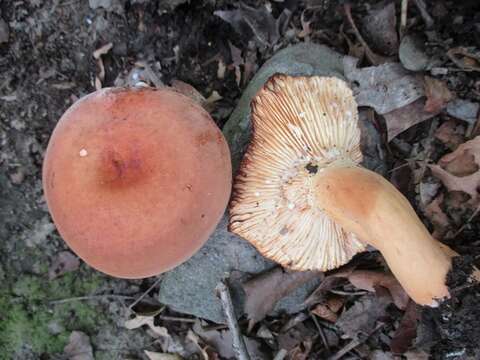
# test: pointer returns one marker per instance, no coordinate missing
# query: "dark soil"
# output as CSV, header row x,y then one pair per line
x,y
46,64
458,318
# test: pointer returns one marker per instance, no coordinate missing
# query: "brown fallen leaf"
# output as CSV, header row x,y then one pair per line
x,y
464,58
222,342
438,95
406,331
437,217
371,280
380,27
455,169
294,337
401,119
362,317
78,347
324,312
301,351
265,290
451,134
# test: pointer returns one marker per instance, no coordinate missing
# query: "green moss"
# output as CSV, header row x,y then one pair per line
x,y
25,317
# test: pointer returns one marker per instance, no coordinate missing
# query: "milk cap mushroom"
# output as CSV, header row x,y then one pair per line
x,y
136,179
302,198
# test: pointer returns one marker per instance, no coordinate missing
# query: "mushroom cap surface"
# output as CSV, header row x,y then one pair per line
x,y
300,125
136,179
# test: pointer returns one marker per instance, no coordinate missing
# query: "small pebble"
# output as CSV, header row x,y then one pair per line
x,y
412,53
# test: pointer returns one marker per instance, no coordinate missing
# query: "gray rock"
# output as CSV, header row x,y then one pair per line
x,y
412,53
463,110
301,59
190,288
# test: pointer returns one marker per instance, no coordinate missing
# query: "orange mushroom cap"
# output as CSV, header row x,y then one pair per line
x,y
136,179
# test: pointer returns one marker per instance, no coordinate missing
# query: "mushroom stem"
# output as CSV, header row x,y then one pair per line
x,y
366,204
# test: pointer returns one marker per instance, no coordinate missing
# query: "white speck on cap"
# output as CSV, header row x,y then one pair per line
x,y
291,206
83,152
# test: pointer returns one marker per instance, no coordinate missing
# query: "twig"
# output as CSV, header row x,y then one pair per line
x,y
403,18
372,57
459,231
353,344
347,293
175,318
320,331
422,7
91,297
238,344
145,293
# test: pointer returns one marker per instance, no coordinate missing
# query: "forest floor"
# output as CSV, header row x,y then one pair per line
x,y
52,52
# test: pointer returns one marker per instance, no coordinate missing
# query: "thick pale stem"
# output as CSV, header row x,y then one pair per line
x,y
366,204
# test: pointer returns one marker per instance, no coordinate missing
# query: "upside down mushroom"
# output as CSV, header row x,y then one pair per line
x,y
302,198
136,179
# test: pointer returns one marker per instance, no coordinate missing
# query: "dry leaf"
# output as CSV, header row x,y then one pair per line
x,y
384,87
450,134
362,317
464,58
258,23
196,340
460,164
437,94
161,356
324,311
371,280
222,342
437,217
63,262
78,347
301,351
407,330
265,290
379,26
401,119
139,321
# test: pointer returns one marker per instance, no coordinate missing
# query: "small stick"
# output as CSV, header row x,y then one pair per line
x,y
422,7
239,347
353,344
145,293
176,318
403,18
320,331
371,56
91,297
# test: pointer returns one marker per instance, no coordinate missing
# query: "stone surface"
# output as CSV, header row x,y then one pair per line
x,y
190,288
412,54
301,59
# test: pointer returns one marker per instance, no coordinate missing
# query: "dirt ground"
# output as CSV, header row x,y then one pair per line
x,y
47,61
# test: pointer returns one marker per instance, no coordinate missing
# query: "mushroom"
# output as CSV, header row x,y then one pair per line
x,y
136,179
303,200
